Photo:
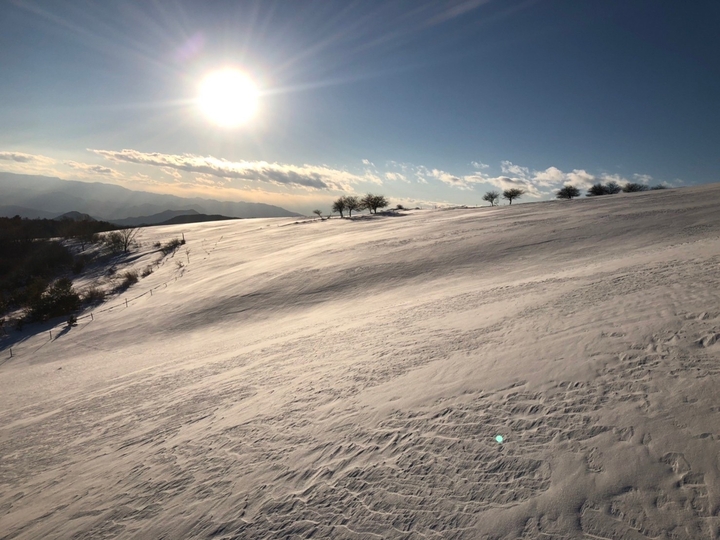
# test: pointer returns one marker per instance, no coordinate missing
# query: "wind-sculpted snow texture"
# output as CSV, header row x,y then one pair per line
x,y
348,379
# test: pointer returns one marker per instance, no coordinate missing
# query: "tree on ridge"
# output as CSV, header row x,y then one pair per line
x,y
492,197
339,206
568,192
632,187
352,203
611,188
513,193
373,202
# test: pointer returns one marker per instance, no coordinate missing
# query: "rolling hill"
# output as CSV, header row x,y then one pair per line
x,y
545,370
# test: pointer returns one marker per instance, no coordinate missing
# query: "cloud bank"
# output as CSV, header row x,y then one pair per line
x,y
313,177
535,183
302,185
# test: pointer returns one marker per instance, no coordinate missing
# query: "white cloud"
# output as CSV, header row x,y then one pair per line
x,y
605,177
643,178
92,168
510,168
20,157
508,182
549,177
173,173
303,176
448,178
480,165
23,163
396,177
580,178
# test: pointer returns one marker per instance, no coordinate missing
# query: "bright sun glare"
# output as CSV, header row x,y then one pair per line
x,y
228,97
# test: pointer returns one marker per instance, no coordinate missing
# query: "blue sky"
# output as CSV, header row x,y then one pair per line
x,y
426,102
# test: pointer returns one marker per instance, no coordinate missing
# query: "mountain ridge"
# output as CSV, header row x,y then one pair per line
x,y
53,196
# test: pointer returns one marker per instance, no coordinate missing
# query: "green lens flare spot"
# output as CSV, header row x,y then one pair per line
x,y
499,439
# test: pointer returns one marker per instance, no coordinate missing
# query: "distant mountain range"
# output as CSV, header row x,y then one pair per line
x,y
74,216
154,219
170,217
46,197
195,219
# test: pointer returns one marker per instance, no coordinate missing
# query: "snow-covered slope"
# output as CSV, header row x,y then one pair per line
x,y
351,379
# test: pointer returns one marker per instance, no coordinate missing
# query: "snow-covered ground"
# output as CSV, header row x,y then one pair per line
x,y
349,379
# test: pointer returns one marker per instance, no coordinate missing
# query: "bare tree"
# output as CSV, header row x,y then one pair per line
x,y
121,240
339,206
492,197
352,203
568,192
632,187
128,238
318,212
373,202
513,193
611,188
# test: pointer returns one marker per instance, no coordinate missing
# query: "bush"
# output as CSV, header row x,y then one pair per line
x,y
34,291
93,295
171,246
147,271
113,241
79,264
59,299
129,278
659,186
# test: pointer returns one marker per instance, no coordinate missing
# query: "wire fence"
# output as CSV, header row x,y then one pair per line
x,y
22,347
58,329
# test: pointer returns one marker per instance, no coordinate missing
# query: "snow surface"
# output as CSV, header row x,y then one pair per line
x,y
348,379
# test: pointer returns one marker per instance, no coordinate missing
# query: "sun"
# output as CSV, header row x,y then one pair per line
x,y
228,97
